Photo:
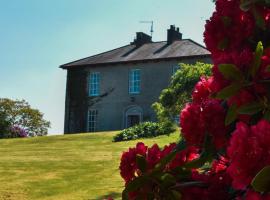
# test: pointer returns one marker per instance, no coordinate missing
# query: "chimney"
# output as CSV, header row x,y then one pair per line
x,y
141,39
173,34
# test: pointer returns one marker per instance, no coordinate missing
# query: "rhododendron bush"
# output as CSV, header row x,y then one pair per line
x,y
225,148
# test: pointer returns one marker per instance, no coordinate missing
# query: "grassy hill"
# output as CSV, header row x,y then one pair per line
x,y
70,167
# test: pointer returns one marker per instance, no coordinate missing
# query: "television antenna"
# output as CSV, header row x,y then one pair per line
x,y
152,26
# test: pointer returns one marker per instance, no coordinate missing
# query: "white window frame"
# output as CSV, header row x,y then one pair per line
x,y
134,81
92,118
94,84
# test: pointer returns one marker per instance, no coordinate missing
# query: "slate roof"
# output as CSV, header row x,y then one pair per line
x,y
151,51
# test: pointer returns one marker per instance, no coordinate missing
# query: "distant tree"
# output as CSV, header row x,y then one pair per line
x,y
4,125
19,113
173,99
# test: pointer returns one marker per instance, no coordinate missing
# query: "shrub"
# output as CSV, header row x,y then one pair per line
x,y
17,131
173,99
142,130
224,153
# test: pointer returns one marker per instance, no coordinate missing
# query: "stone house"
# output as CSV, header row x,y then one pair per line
x,y
115,89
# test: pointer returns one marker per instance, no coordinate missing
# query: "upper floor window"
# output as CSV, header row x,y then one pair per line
x,y
94,80
134,81
175,68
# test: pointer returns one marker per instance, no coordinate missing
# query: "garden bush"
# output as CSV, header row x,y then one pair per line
x,y
142,130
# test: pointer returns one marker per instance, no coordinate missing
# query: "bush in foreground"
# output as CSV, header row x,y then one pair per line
x,y
225,152
142,130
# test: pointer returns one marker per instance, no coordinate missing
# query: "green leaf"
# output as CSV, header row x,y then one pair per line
x,y
245,5
267,115
230,72
135,184
168,180
199,162
261,182
229,91
260,22
176,195
231,114
164,161
257,59
223,44
251,108
206,155
181,145
141,162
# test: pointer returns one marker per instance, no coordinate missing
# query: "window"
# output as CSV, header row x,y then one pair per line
x,y
92,120
134,81
175,68
94,84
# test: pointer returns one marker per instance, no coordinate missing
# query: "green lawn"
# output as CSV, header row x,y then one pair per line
x,y
81,166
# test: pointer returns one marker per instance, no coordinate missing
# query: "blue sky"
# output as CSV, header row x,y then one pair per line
x,y
37,36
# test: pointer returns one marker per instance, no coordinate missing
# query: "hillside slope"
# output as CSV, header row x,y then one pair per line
x,y
69,167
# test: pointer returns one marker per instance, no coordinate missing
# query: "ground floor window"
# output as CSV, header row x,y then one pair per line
x,y
92,120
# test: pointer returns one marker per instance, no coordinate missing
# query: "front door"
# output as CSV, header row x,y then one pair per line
x,y
132,120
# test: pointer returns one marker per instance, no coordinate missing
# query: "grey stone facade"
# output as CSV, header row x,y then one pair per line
x,y
114,108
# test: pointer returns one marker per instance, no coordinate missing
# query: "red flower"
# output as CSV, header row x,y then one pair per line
x,y
191,126
216,186
249,152
153,156
202,89
128,166
198,119
228,28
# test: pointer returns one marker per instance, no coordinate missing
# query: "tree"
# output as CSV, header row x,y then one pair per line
x,y
19,113
4,125
173,99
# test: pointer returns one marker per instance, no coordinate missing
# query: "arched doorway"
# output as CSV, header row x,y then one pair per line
x,y
133,115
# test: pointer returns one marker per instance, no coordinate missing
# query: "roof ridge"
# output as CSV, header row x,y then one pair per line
x,y
63,65
150,51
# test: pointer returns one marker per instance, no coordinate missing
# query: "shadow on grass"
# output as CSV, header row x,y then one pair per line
x,y
112,195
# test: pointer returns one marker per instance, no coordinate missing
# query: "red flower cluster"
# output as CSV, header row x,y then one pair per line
x,y
202,90
204,115
228,28
231,35
217,181
252,195
249,152
208,117
129,168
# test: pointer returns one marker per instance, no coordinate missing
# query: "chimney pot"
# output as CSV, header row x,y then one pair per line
x,y
173,34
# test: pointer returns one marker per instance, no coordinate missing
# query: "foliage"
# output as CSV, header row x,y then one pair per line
x,y
225,152
178,93
142,130
4,125
20,114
